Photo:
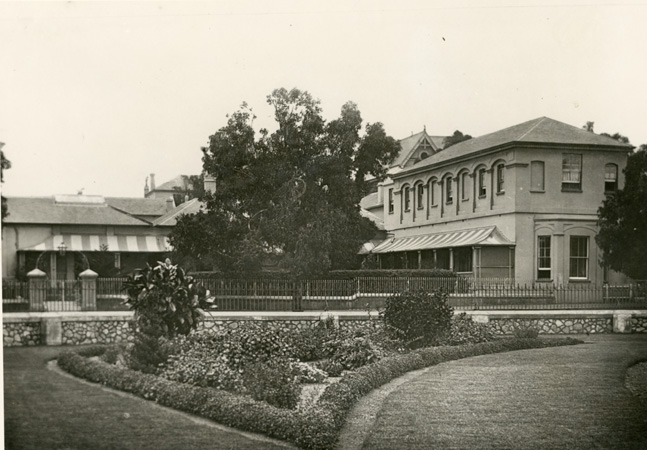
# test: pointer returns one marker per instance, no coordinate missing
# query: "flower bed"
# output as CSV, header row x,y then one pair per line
x,y
316,427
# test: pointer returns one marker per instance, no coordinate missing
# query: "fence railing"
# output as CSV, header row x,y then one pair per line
x,y
355,294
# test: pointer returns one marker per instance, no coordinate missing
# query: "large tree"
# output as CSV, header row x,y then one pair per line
x,y
292,194
455,138
4,165
623,221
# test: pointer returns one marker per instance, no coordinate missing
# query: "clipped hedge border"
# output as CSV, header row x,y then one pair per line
x,y
314,428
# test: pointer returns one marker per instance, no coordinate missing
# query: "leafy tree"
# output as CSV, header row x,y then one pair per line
x,y
4,165
294,192
455,139
623,221
193,188
588,126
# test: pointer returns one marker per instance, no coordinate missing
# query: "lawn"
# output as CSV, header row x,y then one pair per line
x,y
562,397
44,410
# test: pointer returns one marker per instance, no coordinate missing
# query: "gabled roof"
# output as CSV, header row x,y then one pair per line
x,y
410,143
139,206
170,218
542,130
45,210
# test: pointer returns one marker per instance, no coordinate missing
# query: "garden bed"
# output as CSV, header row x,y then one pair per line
x,y
316,427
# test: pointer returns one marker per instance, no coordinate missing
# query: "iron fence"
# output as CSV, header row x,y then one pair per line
x,y
353,294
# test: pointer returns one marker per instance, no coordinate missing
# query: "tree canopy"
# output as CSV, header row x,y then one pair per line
x,y
292,194
455,139
623,221
4,165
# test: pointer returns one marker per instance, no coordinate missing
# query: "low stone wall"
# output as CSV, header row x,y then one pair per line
x,y
96,332
639,323
21,333
553,326
78,328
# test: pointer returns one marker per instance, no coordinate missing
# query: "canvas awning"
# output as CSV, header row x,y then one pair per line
x,y
91,243
462,238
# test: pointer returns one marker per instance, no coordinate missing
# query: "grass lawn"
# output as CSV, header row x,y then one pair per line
x,y
564,397
44,410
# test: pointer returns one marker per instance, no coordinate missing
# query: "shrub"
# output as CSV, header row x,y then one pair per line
x,y
465,331
417,318
309,374
166,302
273,382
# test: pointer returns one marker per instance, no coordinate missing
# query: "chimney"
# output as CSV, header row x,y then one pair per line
x,y
146,188
170,203
209,184
152,181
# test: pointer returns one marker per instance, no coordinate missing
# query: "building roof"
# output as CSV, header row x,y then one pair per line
x,y
379,223
170,218
69,210
139,206
369,201
542,130
461,238
408,144
181,181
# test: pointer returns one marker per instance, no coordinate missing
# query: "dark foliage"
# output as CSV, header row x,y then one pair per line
x,y
292,195
623,221
455,139
273,382
418,318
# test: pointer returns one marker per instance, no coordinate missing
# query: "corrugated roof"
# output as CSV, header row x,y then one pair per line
x,y
369,201
170,218
90,243
460,238
44,210
542,130
139,206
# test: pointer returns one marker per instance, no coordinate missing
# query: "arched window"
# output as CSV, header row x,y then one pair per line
x,y
420,196
610,178
464,179
482,186
433,199
406,193
449,193
500,178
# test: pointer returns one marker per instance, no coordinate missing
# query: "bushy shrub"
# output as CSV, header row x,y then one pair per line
x,y
166,302
463,330
273,382
418,318
351,350
309,373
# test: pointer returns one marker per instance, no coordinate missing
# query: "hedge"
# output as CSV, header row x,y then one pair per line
x,y
314,428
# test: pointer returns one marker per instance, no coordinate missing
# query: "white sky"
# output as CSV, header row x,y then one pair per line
x,y
99,95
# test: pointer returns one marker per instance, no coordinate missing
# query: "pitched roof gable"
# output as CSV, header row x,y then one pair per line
x,y
409,144
139,206
45,210
542,130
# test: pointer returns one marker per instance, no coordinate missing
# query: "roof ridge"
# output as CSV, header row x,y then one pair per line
x,y
540,120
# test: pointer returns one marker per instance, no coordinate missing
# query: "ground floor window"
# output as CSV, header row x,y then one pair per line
x,y
579,257
543,258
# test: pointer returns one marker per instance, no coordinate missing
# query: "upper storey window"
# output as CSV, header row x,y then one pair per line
x,y
610,178
449,194
420,196
500,178
572,172
482,188
407,198
391,207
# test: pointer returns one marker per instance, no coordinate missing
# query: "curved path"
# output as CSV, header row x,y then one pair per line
x,y
48,410
564,397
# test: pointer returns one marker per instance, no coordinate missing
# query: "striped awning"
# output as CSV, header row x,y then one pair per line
x,y
91,243
462,238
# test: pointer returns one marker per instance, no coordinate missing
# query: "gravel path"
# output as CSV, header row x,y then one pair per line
x,y
564,397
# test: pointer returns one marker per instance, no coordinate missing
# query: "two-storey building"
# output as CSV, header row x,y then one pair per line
x,y
517,203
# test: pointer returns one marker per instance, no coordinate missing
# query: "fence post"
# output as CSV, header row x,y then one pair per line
x,y
88,290
297,296
37,290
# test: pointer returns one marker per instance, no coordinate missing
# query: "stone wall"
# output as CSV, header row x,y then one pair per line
x,y
21,333
639,324
108,332
506,326
77,328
